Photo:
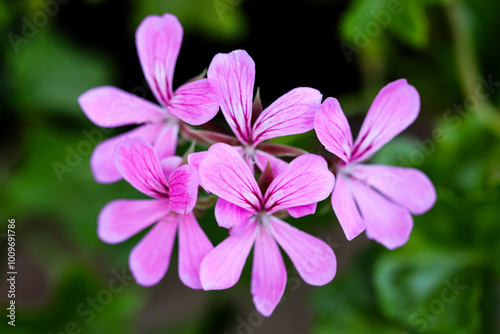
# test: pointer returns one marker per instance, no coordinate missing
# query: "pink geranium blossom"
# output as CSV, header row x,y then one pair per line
x,y
292,113
158,42
248,213
378,198
138,163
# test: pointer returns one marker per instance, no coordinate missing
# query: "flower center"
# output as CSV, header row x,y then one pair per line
x,y
249,154
345,169
262,218
249,151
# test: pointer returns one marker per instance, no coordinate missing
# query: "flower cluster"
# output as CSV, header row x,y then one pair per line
x,y
255,187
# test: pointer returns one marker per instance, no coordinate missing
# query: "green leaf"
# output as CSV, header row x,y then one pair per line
x,y
348,305
366,20
427,288
356,18
411,25
50,72
218,19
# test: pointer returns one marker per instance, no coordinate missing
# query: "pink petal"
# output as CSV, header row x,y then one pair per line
x,y
312,257
137,162
292,113
225,173
306,180
193,247
158,42
196,102
102,161
196,158
386,223
268,274
262,158
166,142
108,106
303,210
150,258
333,130
169,164
408,187
395,107
184,182
345,208
121,219
235,73
222,267
229,215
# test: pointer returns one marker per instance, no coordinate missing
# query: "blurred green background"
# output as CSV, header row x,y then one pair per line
x,y
446,279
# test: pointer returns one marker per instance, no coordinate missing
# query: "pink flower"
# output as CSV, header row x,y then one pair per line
x,y
380,199
171,208
158,42
248,213
292,113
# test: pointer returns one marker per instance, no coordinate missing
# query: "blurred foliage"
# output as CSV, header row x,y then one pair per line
x,y
82,304
228,23
367,19
445,48
446,278
451,245
52,77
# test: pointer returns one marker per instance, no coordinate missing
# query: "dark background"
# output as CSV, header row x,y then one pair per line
x,y
69,281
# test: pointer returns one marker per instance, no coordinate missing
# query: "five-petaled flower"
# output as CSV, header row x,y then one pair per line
x,y
377,198
248,213
292,113
158,42
380,199
138,163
